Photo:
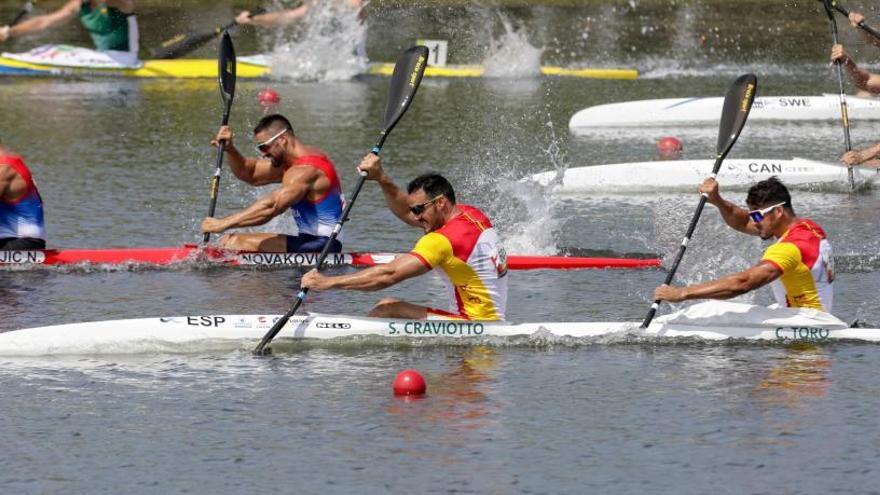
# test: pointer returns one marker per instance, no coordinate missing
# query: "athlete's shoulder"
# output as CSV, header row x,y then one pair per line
x,y
806,230
470,216
13,165
315,157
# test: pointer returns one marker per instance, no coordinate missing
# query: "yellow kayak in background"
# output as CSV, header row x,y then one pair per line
x,y
249,67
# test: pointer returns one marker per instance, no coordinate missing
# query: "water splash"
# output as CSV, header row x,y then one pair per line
x,y
524,212
512,55
328,45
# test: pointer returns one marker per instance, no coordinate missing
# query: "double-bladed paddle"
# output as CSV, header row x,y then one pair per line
x,y
182,44
737,105
226,76
28,6
844,113
843,10
408,72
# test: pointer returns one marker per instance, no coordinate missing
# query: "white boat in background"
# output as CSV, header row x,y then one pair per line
x,y
687,175
668,111
712,320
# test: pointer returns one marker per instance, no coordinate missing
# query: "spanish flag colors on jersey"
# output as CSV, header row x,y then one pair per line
x,y
471,262
803,254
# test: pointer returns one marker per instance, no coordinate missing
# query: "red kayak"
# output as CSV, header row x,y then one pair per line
x,y
193,253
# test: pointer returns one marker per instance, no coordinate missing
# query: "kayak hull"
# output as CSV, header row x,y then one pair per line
x,y
160,334
250,68
687,174
673,111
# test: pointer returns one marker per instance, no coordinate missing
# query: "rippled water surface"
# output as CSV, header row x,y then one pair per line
x,y
127,163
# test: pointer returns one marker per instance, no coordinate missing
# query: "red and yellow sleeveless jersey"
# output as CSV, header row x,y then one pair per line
x,y
472,263
803,254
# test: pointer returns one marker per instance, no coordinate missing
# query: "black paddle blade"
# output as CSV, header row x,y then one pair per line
x,y
226,70
737,105
408,72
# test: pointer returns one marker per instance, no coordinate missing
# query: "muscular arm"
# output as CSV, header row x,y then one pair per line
x,y
396,200
275,18
294,188
734,216
735,284
254,171
380,277
861,78
46,21
6,177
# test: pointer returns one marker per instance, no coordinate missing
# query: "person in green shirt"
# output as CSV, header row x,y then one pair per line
x,y
111,24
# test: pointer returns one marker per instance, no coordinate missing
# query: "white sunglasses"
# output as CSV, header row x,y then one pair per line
x,y
758,215
264,146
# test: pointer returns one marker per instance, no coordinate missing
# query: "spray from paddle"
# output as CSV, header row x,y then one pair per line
x,y
737,105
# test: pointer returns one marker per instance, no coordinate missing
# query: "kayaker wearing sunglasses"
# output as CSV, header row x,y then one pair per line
x,y
798,265
310,188
459,241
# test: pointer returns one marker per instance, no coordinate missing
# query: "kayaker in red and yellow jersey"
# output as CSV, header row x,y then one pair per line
x,y
21,209
798,266
111,24
459,241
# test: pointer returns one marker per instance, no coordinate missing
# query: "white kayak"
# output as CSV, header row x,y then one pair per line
x,y
687,174
698,110
711,320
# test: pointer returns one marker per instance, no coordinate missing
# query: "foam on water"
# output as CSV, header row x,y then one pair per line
x,y
328,46
523,212
512,55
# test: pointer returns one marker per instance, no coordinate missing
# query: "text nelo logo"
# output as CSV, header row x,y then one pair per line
x,y
343,326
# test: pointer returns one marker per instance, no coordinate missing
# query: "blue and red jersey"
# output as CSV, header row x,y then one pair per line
x,y
23,216
319,217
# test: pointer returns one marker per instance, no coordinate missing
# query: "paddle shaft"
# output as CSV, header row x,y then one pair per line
x,y
181,45
301,296
23,12
844,113
215,180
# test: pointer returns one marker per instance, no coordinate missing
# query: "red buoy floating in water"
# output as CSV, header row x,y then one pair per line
x,y
268,96
269,99
409,382
669,147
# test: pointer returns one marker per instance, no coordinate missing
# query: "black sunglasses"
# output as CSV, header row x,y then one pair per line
x,y
420,208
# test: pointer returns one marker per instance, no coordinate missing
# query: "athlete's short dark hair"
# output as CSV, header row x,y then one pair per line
x,y
769,192
433,184
273,123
